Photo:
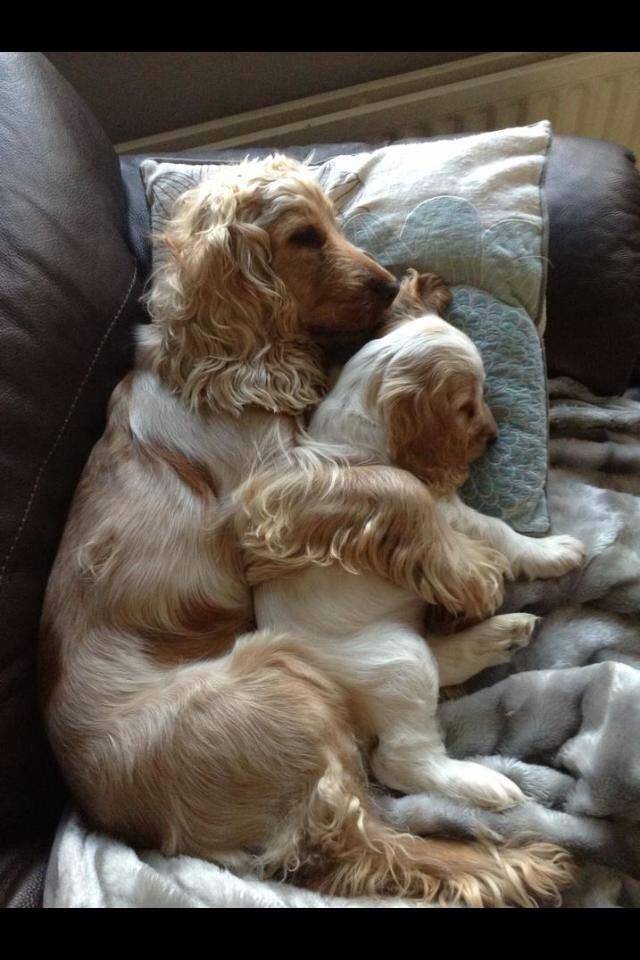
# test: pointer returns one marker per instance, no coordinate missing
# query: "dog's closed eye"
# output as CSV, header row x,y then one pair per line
x,y
308,237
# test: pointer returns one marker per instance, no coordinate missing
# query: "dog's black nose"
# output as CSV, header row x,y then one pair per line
x,y
385,290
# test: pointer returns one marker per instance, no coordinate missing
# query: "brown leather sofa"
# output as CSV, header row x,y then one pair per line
x,y
73,259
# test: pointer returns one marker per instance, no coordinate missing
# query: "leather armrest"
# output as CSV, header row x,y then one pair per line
x,y
68,298
593,287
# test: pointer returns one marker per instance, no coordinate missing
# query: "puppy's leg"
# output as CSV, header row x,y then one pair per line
x,y
529,557
393,679
487,644
367,519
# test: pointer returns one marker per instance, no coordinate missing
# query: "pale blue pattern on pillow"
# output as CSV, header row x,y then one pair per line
x,y
508,482
444,235
496,277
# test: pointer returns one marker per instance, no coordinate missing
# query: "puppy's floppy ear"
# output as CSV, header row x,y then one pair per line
x,y
433,292
420,293
423,434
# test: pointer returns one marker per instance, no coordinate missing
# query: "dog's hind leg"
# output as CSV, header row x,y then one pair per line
x,y
393,680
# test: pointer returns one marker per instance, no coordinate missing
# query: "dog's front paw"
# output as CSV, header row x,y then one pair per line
x,y
482,574
419,771
464,576
551,557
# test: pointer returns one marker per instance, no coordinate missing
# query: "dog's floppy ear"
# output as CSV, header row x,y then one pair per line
x,y
423,435
220,261
223,316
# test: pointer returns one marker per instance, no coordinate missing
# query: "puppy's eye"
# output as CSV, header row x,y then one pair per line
x,y
468,410
307,237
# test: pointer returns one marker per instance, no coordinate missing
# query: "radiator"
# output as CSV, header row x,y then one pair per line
x,y
585,94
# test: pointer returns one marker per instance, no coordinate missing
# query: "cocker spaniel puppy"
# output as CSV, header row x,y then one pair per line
x,y
171,732
413,397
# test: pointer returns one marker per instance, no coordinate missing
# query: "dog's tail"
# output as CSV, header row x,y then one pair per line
x,y
354,853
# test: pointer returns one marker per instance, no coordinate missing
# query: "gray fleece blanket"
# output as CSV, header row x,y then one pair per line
x,y
562,719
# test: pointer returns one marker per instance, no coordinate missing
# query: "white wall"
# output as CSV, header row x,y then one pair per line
x,y
139,94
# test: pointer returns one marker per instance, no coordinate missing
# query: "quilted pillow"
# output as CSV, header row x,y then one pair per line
x,y
472,210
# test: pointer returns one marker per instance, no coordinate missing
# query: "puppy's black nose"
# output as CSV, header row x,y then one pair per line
x,y
385,290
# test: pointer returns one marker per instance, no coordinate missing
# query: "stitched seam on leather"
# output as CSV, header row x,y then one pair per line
x,y
58,438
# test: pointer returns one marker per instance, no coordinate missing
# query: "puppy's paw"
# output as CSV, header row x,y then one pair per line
x,y
495,643
476,784
510,632
462,780
551,557
489,644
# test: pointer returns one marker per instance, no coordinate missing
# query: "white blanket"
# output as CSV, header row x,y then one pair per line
x,y
578,758
91,870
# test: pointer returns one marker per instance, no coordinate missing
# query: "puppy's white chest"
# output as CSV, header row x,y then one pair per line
x,y
333,603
